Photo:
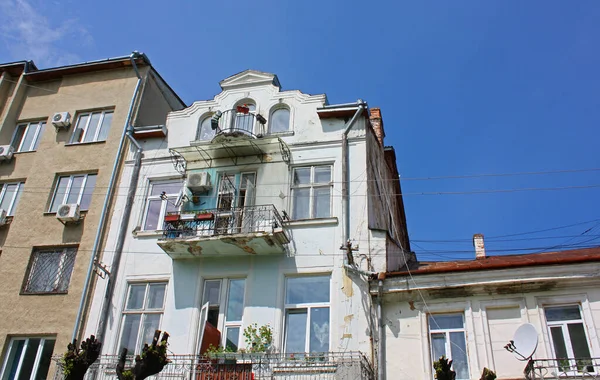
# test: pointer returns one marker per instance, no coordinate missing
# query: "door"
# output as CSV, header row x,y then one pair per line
x,y
248,215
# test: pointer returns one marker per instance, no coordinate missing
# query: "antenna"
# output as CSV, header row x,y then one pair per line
x,y
524,342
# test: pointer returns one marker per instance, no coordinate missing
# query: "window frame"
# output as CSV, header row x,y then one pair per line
x,y
62,275
224,292
40,127
203,119
16,196
163,205
312,186
38,355
68,190
289,124
446,331
102,113
142,312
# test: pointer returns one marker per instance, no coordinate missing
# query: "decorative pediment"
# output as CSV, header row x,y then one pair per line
x,y
249,78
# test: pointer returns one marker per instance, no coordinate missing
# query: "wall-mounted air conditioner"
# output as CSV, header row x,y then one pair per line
x,y
2,217
61,120
68,213
6,152
199,182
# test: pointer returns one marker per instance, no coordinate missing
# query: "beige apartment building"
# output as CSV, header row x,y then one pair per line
x,y
64,134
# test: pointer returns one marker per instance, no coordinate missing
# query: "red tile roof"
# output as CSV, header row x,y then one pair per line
x,y
504,262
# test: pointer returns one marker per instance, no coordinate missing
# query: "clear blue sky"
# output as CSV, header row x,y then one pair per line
x,y
465,87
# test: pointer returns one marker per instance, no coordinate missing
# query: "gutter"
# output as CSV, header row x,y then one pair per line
x,y
85,297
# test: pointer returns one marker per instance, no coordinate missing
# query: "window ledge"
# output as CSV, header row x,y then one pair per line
x,y
86,143
281,134
25,151
24,293
143,234
81,212
311,222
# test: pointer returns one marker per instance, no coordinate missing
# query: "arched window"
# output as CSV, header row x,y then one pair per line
x,y
205,131
245,121
280,120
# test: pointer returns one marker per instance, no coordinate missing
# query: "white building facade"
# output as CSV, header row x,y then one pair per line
x,y
244,208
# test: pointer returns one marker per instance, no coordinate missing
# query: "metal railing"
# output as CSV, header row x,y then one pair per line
x,y
215,222
232,122
258,366
580,368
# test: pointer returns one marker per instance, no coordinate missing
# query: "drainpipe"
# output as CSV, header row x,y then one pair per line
x,y
380,355
104,215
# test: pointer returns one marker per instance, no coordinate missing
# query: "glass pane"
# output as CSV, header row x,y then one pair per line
x,y
156,296
12,362
319,329
322,202
135,299
445,321
103,134
8,197
235,301
301,176
41,128
17,198
438,346
86,198
29,359
301,199
78,132
90,134
562,313
280,120
131,326
295,331
206,132
152,215
29,138
172,188
75,190
560,349
307,289
458,348
59,196
322,174
151,324
580,346
19,132
44,272
45,359
171,206
212,291
233,337
68,260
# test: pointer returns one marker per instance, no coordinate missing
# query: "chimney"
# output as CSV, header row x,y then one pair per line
x,y
479,246
377,123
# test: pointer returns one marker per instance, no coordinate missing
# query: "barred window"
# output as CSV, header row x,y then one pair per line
x,y
50,270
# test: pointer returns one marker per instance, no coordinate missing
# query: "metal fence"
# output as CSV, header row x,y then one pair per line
x,y
328,366
234,220
588,368
232,122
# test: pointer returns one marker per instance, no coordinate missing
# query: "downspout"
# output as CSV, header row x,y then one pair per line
x,y
109,194
380,344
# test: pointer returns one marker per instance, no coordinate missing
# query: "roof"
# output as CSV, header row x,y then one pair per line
x,y
16,68
249,78
574,256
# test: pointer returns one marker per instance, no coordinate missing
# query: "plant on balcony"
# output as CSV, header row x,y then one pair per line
x,y
488,374
443,369
152,360
205,215
76,361
258,339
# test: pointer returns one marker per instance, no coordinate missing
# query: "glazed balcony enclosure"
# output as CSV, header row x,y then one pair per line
x,y
233,231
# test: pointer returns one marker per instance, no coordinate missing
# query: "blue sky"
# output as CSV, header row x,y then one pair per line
x,y
465,88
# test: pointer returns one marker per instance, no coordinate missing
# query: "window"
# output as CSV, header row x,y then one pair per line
x,y
77,188
245,121
226,316
162,199
50,270
447,338
307,314
567,333
205,130
27,136
92,126
311,192
280,120
10,193
27,359
142,315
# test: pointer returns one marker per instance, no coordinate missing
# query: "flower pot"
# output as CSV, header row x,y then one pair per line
x,y
205,216
172,218
242,109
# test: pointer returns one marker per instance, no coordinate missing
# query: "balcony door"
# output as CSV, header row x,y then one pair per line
x,y
236,195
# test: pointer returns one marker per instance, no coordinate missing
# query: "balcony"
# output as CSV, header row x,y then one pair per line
x,y
588,368
328,366
237,231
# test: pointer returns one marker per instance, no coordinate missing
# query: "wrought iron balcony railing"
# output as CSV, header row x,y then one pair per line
x,y
580,368
258,366
216,222
239,121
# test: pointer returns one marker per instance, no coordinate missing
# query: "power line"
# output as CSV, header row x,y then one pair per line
x,y
500,174
469,241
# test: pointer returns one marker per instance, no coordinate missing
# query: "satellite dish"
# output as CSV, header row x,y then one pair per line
x,y
524,342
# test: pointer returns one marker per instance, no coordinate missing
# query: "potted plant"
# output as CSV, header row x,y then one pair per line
x,y
172,217
258,338
205,215
243,109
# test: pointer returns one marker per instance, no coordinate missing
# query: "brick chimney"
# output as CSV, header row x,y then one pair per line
x,y
377,123
479,246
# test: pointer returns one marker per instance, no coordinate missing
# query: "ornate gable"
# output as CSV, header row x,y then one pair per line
x,y
249,78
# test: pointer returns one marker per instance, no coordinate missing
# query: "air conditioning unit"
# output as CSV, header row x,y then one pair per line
x,y
61,120
6,152
199,182
68,213
2,217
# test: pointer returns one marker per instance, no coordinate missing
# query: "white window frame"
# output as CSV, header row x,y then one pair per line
x,y
39,125
38,356
172,197
68,189
279,108
223,324
15,199
62,253
87,124
203,119
142,312
446,331
312,186
304,306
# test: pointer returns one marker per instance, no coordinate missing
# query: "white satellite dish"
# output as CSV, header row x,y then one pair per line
x,y
525,341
